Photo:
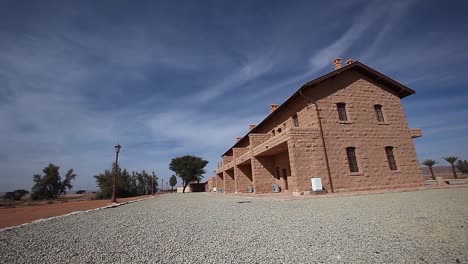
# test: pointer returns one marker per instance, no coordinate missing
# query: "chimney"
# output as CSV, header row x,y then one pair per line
x,y
273,107
238,138
348,62
337,63
252,127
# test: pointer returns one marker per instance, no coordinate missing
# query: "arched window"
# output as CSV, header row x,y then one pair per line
x,y
351,153
390,158
342,111
378,113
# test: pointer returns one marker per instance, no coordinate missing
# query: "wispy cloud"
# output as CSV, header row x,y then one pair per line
x,y
246,72
359,25
198,131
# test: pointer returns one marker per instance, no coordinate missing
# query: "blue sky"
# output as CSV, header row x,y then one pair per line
x,y
169,78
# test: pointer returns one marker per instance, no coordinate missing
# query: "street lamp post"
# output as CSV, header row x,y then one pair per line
x,y
117,150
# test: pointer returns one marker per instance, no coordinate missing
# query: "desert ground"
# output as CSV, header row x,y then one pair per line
x,y
21,212
425,226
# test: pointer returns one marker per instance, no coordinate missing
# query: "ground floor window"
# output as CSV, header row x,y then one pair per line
x,y
391,158
351,153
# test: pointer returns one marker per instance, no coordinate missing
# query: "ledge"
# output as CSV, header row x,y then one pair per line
x,y
345,122
356,174
416,132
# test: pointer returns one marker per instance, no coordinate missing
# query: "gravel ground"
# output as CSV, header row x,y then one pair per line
x,y
428,226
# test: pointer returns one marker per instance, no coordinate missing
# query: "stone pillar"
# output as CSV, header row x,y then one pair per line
x,y
241,179
243,175
219,181
263,172
258,170
229,184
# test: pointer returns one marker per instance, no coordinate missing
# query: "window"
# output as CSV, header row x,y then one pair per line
x,y
279,130
277,173
273,132
342,111
390,158
296,120
351,153
379,114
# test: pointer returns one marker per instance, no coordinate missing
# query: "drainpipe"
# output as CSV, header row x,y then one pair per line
x,y
314,102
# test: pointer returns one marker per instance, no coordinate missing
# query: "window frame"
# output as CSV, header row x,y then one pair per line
x,y
379,113
295,120
391,158
342,114
352,159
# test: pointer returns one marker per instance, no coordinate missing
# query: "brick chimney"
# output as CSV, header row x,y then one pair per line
x,y
337,63
348,62
238,138
252,127
273,107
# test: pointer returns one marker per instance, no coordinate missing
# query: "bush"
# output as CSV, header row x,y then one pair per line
x,y
80,191
462,166
15,195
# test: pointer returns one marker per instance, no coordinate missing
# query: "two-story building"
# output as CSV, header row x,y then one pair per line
x,y
347,127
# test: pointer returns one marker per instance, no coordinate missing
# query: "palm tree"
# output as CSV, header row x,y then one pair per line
x,y
452,160
430,163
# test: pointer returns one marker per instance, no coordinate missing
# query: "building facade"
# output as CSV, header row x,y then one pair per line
x,y
347,127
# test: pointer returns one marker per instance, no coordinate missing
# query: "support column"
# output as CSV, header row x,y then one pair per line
x,y
241,179
263,171
229,184
219,181
258,170
243,175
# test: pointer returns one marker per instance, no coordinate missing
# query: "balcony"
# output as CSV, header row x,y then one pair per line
x,y
416,132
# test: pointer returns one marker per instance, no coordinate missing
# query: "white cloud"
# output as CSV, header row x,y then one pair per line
x,y
246,72
359,25
200,131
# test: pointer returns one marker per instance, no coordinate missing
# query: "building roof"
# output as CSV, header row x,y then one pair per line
x,y
400,89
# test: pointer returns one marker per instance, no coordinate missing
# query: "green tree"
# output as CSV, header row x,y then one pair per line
x,y
127,185
172,181
50,185
154,182
189,168
429,163
452,160
15,195
462,166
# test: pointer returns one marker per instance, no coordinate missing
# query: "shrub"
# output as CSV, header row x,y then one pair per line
x,y
15,195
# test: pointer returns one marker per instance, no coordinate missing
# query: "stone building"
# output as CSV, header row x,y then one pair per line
x,y
347,127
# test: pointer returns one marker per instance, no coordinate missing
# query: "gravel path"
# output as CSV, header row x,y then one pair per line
x,y
413,227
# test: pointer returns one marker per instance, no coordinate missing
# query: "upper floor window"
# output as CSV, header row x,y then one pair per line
x,y
296,120
279,130
342,111
351,153
391,158
378,113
